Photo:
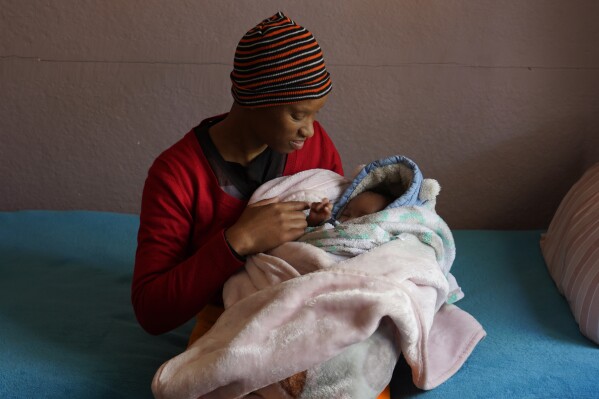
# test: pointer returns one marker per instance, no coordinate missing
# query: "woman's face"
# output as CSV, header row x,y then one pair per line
x,y
285,128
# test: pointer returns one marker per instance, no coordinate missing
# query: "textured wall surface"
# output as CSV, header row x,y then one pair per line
x,y
498,100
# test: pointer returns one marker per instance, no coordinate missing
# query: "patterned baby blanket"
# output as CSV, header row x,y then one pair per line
x,y
328,317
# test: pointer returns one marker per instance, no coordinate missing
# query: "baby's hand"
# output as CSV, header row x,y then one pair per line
x,y
319,212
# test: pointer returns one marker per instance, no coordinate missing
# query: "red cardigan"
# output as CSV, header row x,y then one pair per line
x,y
182,258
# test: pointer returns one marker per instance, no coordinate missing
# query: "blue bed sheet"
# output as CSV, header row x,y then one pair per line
x,y
67,329
533,347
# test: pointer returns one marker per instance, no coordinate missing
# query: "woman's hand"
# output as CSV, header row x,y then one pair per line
x,y
267,224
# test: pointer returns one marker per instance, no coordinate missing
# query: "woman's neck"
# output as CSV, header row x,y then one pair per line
x,y
234,139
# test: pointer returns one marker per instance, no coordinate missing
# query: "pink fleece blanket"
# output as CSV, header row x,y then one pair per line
x,y
301,322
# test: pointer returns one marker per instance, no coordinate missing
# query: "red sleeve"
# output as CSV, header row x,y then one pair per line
x,y
171,282
332,160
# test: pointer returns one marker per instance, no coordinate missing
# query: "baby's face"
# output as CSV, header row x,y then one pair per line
x,y
364,204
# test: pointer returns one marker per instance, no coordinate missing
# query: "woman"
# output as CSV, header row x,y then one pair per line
x,y
195,228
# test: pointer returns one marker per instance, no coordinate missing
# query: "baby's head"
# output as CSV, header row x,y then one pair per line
x,y
364,203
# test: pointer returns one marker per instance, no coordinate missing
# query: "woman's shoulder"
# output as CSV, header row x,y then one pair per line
x,y
181,151
320,140
187,151
183,158
318,152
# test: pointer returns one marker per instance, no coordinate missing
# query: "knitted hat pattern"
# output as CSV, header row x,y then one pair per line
x,y
278,62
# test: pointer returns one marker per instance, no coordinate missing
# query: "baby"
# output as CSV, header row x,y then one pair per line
x,y
362,204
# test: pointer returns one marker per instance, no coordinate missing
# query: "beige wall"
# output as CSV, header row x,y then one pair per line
x,y
498,100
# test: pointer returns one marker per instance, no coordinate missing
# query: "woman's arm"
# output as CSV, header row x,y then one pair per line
x,y
171,283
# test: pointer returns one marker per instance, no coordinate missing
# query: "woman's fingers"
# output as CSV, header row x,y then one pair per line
x,y
267,224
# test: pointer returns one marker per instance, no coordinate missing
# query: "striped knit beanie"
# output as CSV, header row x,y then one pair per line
x,y
278,62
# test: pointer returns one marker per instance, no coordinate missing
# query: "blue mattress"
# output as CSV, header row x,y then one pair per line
x,y
67,329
